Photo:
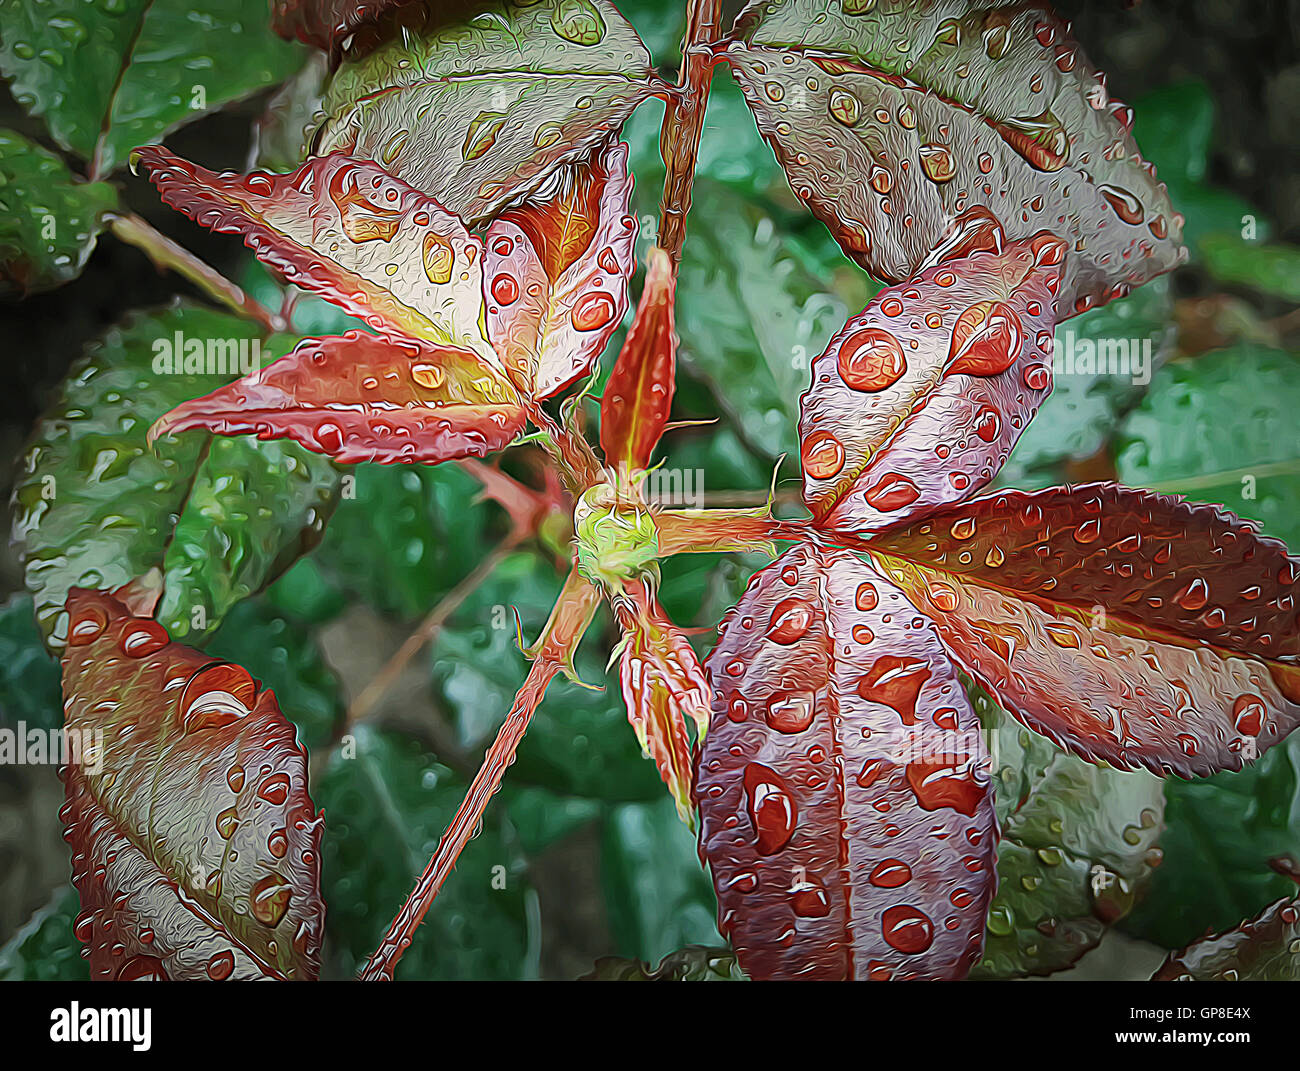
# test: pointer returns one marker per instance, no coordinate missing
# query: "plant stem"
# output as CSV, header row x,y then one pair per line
x,y
168,255
500,755
679,138
448,605
686,531
579,467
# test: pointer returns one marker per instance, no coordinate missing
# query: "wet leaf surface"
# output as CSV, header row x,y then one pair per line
x,y
1077,849
387,802
1238,443
115,74
1128,627
846,810
50,222
477,113
890,123
918,401
95,505
196,848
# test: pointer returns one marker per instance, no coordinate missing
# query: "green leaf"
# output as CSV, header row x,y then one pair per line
x,y
386,806
282,136
113,74
46,949
1222,428
1220,833
30,689
542,818
404,535
284,655
658,894
1270,269
751,315
579,742
1080,413
95,505
477,113
695,963
49,222
1077,848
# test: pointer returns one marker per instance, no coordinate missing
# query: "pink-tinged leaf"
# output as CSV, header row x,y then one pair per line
x,y
639,392
1129,627
893,119
844,792
663,685
347,230
556,273
195,847
919,399
360,397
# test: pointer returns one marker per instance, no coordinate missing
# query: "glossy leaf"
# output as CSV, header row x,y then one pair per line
x,y
50,221
1263,949
1077,848
1128,627
477,113
892,121
388,801
555,273
639,392
361,398
349,231
917,401
1237,444
657,892
1220,833
843,788
45,949
29,677
95,505
695,963
109,76
663,686
1090,394
196,849
752,312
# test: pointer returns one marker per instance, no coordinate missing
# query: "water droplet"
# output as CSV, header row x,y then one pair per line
x,y
871,360
578,21
1248,714
896,682
439,258
892,492
221,965
771,807
141,637
593,311
505,289
810,900
866,597
907,928
936,786
86,625
790,712
986,340
1125,204
275,789
890,874
790,620
937,163
217,695
844,107
823,455
227,822
270,899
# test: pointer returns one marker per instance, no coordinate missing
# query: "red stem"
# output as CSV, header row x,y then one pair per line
x,y
499,756
679,138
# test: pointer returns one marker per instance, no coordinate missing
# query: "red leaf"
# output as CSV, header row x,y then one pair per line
x,y
349,231
359,398
918,401
556,273
843,787
196,849
328,23
1129,627
663,685
639,393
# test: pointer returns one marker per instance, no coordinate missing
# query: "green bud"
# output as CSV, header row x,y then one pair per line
x,y
616,538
